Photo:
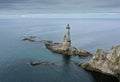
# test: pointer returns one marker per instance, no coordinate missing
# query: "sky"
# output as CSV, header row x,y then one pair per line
x,y
60,8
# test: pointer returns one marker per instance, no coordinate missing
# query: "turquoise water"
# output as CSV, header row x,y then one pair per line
x,y
88,34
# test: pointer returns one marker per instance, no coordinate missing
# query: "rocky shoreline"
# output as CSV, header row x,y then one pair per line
x,y
60,48
102,62
66,47
105,62
65,50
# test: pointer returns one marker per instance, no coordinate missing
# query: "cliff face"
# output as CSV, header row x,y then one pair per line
x,y
105,62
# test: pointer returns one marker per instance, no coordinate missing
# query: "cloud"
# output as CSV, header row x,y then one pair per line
x,y
81,15
59,6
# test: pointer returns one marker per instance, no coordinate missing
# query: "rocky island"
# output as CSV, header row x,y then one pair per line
x,y
66,48
102,62
105,62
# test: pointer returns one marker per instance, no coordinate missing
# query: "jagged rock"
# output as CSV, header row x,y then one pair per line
x,y
34,63
65,50
30,38
84,53
105,62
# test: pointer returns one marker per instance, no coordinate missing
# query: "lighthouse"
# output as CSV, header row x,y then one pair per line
x,y
67,41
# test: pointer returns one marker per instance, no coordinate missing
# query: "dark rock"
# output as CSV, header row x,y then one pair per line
x,y
30,38
67,50
35,63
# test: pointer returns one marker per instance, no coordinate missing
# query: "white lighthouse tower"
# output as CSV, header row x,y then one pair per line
x,y
67,41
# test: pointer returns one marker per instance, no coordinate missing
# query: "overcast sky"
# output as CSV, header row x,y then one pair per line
x,y
23,7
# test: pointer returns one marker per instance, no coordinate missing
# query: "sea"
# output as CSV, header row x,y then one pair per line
x,y
15,54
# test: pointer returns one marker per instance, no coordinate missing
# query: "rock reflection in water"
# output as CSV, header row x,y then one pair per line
x,y
66,59
98,77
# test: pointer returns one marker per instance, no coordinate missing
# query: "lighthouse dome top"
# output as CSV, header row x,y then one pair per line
x,y
68,26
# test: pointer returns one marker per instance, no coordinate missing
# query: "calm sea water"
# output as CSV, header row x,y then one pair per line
x,y
88,34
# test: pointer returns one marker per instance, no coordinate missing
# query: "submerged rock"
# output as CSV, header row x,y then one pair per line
x,y
105,62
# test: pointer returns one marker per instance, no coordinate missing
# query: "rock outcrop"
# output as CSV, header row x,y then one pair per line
x,y
66,50
30,38
65,47
105,62
35,63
